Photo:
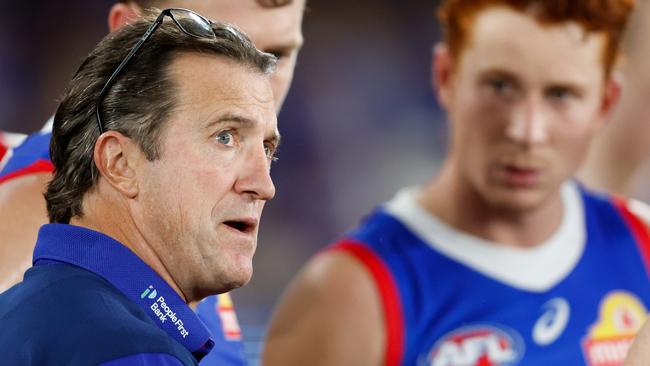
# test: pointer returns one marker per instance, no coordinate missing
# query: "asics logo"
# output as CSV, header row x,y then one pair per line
x,y
553,321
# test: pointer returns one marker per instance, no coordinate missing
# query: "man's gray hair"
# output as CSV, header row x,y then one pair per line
x,y
137,105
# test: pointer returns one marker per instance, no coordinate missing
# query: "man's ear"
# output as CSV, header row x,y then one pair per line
x,y
442,70
116,157
612,93
121,14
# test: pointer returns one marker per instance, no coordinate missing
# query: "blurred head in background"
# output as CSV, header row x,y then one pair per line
x,y
275,26
526,84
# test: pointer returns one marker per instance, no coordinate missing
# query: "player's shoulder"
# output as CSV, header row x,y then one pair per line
x,y
311,324
336,269
635,208
639,209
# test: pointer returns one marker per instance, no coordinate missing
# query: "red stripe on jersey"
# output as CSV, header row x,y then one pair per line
x,y
639,230
385,282
3,149
39,166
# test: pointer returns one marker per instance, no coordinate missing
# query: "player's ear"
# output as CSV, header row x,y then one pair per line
x,y
611,96
121,14
442,72
116,157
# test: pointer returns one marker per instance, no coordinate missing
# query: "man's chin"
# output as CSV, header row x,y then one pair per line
x,y
223,282
517,201
237,277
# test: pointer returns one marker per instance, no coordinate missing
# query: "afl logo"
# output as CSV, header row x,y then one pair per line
x,y
477,345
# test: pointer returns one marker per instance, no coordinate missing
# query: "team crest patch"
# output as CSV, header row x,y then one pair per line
x,y
229,322
620,316
477,345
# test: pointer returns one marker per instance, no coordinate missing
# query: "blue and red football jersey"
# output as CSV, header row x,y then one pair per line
x,y
8,141
451,299
217,312
29,157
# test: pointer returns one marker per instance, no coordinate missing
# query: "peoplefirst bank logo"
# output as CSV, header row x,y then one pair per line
x,y
150,292
163,311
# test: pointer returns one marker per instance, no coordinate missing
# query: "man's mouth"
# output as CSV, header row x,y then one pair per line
x,y
519,176
244,226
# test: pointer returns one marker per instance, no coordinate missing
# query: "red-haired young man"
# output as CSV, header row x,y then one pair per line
x,y
501,259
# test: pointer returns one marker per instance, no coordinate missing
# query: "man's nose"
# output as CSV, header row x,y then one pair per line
x,y
529,124
255,178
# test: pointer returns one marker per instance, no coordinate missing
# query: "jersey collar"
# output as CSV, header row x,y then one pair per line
x,y
109,259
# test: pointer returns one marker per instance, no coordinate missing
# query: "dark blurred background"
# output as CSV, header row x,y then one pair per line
x,y
360,120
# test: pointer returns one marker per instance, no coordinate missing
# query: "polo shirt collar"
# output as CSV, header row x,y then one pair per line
x,y
111,260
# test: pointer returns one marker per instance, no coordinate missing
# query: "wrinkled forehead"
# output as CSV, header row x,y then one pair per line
x,y
210,91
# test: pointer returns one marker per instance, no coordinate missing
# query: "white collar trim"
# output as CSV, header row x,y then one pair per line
x,y
536,269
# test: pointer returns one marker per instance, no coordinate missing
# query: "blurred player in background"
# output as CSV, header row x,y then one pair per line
x,y
618,160
275,26
501,259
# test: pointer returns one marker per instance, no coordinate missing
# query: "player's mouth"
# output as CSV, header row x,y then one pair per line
x,y
244,225
518,176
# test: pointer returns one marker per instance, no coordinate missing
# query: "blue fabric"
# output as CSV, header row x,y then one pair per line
x,y
114,262
228,351
455,315
93,307
145,359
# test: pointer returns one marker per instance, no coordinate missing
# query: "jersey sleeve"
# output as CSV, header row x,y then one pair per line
x,y
389,294
30,157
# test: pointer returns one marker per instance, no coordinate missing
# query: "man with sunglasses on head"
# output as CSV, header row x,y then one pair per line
x,y
162,147
273,25
501,258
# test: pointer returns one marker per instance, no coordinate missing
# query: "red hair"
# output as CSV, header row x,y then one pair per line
x,y
607,16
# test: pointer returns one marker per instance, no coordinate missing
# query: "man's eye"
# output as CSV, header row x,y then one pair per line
x,y
278,54
225,138
500,86
559,93
270,150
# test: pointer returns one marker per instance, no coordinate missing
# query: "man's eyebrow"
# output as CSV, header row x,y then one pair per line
x,y
275,138
230,117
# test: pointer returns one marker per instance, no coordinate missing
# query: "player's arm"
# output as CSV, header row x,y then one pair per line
x,y
331,314
639,354
22,212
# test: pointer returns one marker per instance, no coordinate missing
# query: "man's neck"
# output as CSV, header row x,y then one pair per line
x,y
112,218
451,199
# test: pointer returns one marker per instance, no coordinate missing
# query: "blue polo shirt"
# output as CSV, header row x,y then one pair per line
x,y
89,300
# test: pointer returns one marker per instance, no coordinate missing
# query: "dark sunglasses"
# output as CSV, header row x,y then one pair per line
x,y
187,21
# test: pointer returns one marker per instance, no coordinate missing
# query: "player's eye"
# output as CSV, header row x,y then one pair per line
x,y
500,86
560,93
